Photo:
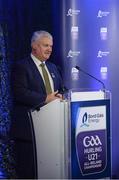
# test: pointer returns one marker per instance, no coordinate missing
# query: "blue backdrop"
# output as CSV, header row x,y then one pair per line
x,y
89,31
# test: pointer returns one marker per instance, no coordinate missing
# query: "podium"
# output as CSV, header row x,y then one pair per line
x,y
72,137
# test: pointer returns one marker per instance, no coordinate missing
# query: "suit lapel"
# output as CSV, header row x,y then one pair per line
x,y
36,73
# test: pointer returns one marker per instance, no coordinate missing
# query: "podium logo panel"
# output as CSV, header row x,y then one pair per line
x,y
90,139
91,151
90,118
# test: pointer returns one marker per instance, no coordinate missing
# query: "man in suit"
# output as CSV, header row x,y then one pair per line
x,y
29,91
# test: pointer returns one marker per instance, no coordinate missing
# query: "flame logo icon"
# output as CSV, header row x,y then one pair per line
x,y
84,120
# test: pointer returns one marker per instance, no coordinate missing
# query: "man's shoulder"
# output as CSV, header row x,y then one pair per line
x,y
22,65
51,64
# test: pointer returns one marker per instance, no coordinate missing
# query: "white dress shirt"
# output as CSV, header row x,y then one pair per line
x,y
37,63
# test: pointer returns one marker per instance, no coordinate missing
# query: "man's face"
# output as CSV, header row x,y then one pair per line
x,y
42,48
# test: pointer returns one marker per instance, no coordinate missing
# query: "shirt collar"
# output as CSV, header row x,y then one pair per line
x,y
36,60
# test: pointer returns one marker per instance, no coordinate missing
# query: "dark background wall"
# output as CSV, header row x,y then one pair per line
x,y
24,17
19,18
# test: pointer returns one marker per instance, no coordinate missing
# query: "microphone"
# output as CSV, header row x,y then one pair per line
x,y
103,85
63,90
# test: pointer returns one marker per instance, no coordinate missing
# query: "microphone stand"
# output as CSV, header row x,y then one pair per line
x,y
78,68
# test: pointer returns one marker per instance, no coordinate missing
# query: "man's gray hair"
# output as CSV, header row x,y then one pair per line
x,y
39,34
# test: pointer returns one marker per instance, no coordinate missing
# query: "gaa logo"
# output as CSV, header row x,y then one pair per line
x,y
91,141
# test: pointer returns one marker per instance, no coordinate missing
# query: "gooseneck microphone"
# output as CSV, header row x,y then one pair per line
x,y
103,85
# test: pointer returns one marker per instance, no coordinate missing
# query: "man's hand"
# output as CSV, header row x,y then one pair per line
x,y
53,96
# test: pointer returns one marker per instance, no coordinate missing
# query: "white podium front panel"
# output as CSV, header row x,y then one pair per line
x,y
49,124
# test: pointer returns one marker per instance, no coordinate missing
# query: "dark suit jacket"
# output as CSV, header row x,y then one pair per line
x,y
28,92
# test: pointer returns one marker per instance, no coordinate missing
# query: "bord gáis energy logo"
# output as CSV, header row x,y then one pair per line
x,y
89,118
85,120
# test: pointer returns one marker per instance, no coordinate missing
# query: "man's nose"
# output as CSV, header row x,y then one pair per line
x,y
50,48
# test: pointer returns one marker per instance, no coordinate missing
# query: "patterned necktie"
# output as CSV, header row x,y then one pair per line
x,y
46,78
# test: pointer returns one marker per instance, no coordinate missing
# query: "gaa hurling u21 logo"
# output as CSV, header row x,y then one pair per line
x,y
91,151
